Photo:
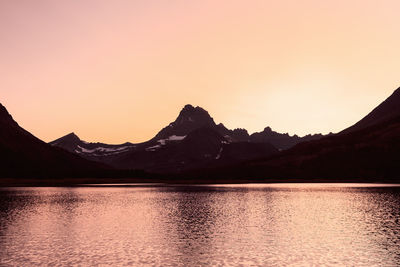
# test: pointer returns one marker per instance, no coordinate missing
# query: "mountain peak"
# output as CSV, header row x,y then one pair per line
x,y
188,107
68,142
267,129
191,114
70,138
189,119
72,135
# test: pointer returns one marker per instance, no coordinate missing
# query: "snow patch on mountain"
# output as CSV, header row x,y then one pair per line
x,y
171,138
153,148
100,151
228,138
163,142
176,138
219,153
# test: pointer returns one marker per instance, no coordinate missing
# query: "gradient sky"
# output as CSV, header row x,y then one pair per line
x,y
116,71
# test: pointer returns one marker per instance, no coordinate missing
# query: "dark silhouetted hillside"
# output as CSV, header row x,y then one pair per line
x,y
365,152
22,154
387,110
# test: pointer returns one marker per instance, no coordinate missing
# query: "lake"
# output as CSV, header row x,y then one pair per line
x,y
270,225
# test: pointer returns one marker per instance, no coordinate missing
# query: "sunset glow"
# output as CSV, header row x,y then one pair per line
x,y
117,71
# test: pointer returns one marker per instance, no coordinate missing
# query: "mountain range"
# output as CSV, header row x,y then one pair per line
x,y
192,141
195,147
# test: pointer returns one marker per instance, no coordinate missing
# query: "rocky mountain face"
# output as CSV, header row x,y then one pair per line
x,y
190,118
22,154
193,140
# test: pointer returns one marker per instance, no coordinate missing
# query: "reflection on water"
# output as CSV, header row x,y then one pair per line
x,y
201,225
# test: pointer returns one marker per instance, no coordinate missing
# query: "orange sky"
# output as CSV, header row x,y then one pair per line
x,y
116,71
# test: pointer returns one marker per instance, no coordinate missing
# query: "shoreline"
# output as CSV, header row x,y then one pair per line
x,y
89,182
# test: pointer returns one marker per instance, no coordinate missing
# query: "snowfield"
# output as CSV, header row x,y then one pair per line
x,y
163,142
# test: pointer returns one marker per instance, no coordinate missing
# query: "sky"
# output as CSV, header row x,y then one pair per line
x,y
117,71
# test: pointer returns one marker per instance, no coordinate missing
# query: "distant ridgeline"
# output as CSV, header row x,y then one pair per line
x,y
195,148
192,141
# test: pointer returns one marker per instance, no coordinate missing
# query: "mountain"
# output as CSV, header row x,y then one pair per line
x,y
190,118
69,142
92,151
387,110
366,152
202,148
22,154
193,140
